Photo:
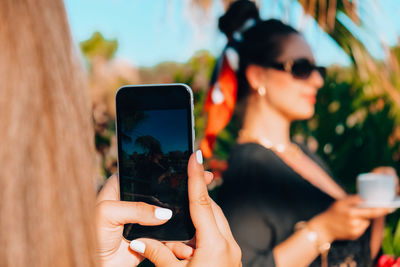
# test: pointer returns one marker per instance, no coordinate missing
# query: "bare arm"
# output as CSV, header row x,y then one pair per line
x,y
342,221
301,249
378,226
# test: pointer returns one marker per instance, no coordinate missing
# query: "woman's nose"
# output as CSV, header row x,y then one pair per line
x,y
316,79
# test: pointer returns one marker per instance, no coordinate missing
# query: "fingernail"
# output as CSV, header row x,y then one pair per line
x,y
199,156
163,214
190,251
138,246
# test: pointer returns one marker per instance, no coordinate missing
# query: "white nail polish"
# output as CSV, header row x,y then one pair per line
x,y
163,214
138,246
199,157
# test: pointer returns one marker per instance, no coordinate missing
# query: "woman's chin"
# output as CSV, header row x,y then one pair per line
x,y
304,114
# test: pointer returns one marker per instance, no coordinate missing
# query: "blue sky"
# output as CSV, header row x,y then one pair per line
x,y
152,31
165,126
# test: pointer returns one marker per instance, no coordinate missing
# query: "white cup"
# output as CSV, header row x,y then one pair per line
x,y
376,188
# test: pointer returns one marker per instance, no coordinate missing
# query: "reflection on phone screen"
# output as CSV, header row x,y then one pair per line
x,y
153,166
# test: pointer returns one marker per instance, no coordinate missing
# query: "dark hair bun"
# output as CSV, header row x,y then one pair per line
x,y
236,15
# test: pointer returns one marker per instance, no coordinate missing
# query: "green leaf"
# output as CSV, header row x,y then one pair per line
x,y
387,244
97,45
396,240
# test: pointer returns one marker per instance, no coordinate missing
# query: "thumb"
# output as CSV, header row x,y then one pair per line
x,y
155,251
200,202
385,170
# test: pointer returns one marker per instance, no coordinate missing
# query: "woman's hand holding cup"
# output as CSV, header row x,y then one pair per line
x,y
345,220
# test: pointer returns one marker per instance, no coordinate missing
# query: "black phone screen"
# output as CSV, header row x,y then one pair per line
x,y
155,140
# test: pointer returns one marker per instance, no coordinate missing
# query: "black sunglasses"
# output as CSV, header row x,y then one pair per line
x,y
300,68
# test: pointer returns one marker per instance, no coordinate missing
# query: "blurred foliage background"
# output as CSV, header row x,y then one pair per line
x,y
357,121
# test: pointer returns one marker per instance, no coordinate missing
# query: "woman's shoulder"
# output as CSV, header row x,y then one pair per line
x,y
317,159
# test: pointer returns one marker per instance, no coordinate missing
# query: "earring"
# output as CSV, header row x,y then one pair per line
x,y
261,91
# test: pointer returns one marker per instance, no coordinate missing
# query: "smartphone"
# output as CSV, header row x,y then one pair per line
x,y
155,134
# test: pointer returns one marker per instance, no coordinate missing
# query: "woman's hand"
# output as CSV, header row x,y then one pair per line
x,y
343,220
215,245
112,214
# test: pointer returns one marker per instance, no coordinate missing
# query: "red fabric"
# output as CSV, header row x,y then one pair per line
x,y
220,114
217,167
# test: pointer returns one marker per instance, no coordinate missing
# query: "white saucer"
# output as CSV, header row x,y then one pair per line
x,y
394,204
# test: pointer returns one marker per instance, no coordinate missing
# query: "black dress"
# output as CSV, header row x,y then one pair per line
x,y
263,199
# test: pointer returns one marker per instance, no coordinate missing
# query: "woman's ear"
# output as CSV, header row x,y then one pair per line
x,y
254,75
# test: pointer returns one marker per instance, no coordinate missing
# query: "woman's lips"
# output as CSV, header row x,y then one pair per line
x,y
311,98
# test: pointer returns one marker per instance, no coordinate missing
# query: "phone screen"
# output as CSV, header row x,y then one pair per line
x,y
154,130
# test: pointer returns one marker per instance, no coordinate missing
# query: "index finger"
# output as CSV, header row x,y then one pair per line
x,y
370,213
200,202
117,213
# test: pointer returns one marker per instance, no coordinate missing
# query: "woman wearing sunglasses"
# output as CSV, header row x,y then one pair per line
x,y
282,203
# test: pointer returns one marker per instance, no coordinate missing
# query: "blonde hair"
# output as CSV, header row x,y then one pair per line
x,y
46,185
